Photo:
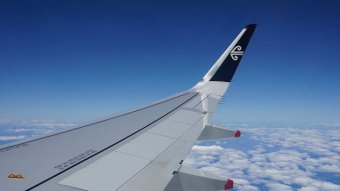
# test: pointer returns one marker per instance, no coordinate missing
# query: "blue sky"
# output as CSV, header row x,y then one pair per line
x,y
82,60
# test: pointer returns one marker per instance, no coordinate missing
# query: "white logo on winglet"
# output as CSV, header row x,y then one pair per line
x,y
237,51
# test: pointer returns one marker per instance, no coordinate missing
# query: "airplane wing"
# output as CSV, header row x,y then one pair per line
x,y
142,149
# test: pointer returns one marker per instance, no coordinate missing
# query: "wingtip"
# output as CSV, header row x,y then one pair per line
x,y
251,26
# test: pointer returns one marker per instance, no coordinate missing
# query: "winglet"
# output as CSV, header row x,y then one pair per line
x,y
225,67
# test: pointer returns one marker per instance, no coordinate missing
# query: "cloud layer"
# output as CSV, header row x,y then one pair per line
x,y
275,159
11,130
264,158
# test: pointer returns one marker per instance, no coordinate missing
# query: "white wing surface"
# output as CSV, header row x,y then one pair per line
x,y
139,150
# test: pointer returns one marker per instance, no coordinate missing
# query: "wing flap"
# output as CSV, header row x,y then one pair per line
x,y
107,173
186,116
189,179
157,174
144,146
173,129
187,182
212,132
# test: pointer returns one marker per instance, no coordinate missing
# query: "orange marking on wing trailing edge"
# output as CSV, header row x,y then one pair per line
x,y
16,176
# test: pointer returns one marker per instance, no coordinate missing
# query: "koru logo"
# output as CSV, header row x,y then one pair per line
x,y
237,51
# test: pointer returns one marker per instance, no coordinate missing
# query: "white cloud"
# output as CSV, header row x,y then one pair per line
x,y
211,148
277,159
278,186
308,188
37,123
30,130
246,187
15,130
11,138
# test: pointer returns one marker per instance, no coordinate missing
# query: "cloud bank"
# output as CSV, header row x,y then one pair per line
x,y
274,159
11,130
264,158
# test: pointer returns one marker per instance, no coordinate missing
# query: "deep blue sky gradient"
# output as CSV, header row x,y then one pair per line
x,y
82,60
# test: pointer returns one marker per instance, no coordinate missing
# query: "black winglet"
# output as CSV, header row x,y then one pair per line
x,y
228,67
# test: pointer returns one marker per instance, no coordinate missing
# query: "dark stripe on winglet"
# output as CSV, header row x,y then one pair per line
x,y
227,69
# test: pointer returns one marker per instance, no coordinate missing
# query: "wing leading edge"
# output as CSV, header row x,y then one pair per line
x,y
139,150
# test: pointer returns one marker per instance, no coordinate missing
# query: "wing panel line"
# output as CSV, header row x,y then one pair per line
x,y
1,149
42,182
